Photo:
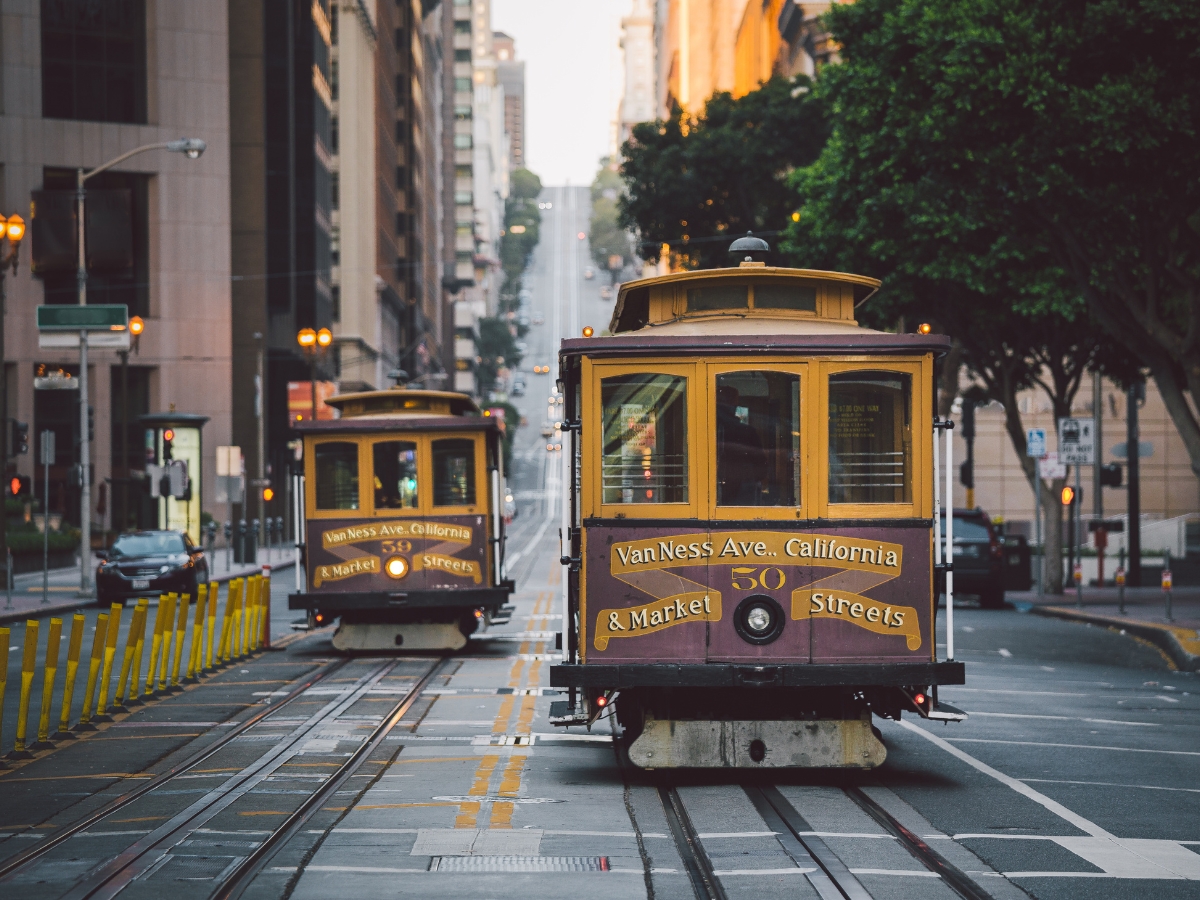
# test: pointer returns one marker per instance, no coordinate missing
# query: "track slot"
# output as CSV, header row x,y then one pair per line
x,y
695,861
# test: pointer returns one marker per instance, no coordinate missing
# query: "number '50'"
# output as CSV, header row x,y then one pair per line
x,y
746,578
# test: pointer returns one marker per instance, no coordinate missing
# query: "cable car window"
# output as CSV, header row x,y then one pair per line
x,y
758,439
454,472
718,296
337,475
645,439
785,296
395,474
870,437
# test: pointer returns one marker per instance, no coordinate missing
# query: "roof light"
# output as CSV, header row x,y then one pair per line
x,y
588,331
924,328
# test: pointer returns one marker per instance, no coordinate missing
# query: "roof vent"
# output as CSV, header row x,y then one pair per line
x,y
753,250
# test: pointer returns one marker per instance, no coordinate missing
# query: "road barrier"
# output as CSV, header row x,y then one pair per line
x,y
243,632
85,718
110,653
28,666
49,676
74,646
265,630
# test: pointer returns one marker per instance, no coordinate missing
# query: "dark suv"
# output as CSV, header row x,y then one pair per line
x,y
149,563
978,558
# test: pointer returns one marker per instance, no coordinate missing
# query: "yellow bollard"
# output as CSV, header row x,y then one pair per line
x,y
74,646
164,661
195,654
227,620
28,664
5,636
155,646
239,609
211,616
264,632
49,676
135,677
89,694
127,658
110,653
185,607
252,618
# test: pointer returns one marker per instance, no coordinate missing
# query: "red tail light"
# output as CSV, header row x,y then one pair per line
x,y
602,700
919,699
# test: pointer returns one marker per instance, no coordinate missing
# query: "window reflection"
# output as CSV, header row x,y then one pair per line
x,y
395,473
870,437
758,439
454,472
337,475
645,439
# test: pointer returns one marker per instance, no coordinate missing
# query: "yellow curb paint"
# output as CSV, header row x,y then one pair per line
x,y
28,665
127,657
185,607
110,653
49,674
94,667
74,647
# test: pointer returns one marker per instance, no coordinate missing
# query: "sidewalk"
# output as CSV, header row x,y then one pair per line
x,y
64,586
1144,616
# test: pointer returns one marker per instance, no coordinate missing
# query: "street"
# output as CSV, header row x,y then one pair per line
x,y
1074,775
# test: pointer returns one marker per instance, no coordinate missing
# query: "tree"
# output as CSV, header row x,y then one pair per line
x,y
1067,128
606,237
698,183
522,223
497,350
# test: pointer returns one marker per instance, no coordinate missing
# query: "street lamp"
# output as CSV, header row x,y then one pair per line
x,y
136,326
313,344
12,229
191,148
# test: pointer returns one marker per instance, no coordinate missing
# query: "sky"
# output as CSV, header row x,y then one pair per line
x,y
572,81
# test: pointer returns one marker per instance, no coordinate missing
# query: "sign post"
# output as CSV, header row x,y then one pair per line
x,y
1077,447
1035,447
47,460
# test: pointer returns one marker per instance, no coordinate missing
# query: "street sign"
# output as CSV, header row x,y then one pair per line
x,y
1077,441
1050,468
93,317
1035,442
229,460
1166,579
61,340
1121,450
47,456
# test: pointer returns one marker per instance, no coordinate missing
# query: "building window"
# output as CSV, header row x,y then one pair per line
x,y
462,113
335,302
463,198
462,55
462,85
94,60
334,191
462,142
400,179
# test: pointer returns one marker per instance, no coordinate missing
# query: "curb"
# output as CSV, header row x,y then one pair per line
x,y
52,608
1182,645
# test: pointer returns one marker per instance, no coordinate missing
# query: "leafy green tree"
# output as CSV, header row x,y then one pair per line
x,y
698,183
606,236
1010,131
497,350
522,222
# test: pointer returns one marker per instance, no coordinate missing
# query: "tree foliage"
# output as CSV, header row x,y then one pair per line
x,y
606,236
698,183
516,247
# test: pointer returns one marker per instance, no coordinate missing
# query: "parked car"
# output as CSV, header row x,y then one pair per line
x,y
978,557
148,563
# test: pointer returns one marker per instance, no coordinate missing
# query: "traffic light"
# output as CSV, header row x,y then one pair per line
x,y
168,437
91,423
1068,495
20,486
268,493
1111,475
966,473
18,440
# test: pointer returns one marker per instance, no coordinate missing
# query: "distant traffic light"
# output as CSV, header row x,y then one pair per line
x,y
20,486
1068,496
268,494
18,438
1111,475
168,437
91,413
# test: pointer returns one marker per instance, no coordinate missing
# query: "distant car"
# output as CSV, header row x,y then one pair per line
x,y
539,320
605,292
523,320
978,557
548,429
589,273
522,346
518,389
541,370
149,563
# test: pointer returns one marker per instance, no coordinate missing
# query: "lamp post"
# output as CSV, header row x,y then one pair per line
x,y
136,327
313,344
12,229
191,148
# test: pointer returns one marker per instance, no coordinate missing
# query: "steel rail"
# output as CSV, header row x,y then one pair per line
x,y
242,876
20,860
114,876
955,878
696,863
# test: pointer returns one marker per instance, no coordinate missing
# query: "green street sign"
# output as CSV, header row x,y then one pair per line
x,y
72,317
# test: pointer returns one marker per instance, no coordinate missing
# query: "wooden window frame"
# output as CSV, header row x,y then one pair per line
x,y
482,483
310,477
424,473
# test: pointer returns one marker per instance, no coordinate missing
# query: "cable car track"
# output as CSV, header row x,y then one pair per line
x,y
153,850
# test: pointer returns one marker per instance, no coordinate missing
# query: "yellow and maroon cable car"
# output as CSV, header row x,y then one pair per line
x,y
404,534
749,542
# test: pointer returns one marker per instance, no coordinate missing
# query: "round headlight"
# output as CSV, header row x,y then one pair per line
x,y
758,619
396,567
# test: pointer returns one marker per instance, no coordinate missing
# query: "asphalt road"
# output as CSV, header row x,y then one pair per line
x,y
1075,775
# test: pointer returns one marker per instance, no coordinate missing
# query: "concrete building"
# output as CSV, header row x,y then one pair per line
x,y
511,73
162,72
638,103
780,37
696,43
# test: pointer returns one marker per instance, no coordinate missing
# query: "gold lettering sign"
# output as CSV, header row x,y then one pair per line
x,y
451,565
693,606
739,547
856,609
360,565
380,531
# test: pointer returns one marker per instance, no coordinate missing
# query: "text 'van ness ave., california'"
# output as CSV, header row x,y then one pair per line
x,y
739,546
377,531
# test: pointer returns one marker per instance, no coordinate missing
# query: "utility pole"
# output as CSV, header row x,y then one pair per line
x,y
967,473
260,402
1133,448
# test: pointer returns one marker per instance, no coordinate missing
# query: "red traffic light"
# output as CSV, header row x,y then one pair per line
x,y
169,434
15,486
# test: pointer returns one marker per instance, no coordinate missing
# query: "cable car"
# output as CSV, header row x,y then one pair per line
x,y
404,528
749,539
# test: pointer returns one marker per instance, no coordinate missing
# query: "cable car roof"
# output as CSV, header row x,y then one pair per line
x,y
400,401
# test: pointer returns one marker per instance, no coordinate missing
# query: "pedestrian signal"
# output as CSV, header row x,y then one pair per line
x,y
19,486
1068,496
268,494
